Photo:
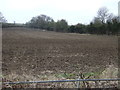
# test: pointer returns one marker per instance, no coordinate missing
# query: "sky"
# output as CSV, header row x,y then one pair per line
x,y
73,11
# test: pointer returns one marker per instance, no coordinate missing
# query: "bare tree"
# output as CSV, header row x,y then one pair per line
x,y
103,14
2,19
110,17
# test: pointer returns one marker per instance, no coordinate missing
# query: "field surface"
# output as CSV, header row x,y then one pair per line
x,y
36,52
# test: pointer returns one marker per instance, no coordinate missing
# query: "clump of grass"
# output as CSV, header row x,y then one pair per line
x,y
110,72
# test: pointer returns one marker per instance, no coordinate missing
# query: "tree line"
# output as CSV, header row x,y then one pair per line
x,y
47,23
103,23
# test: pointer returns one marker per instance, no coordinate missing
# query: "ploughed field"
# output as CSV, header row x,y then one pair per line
x,y
35,52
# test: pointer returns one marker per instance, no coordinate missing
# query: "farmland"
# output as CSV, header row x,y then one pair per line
x,y
36,53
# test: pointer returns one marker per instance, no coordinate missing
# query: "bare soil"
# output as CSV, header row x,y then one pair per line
x,y
35,52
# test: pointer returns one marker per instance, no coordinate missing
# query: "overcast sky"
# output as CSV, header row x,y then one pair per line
x,y
74,11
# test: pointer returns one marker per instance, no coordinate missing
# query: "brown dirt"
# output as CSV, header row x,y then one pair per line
x,y
27,51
